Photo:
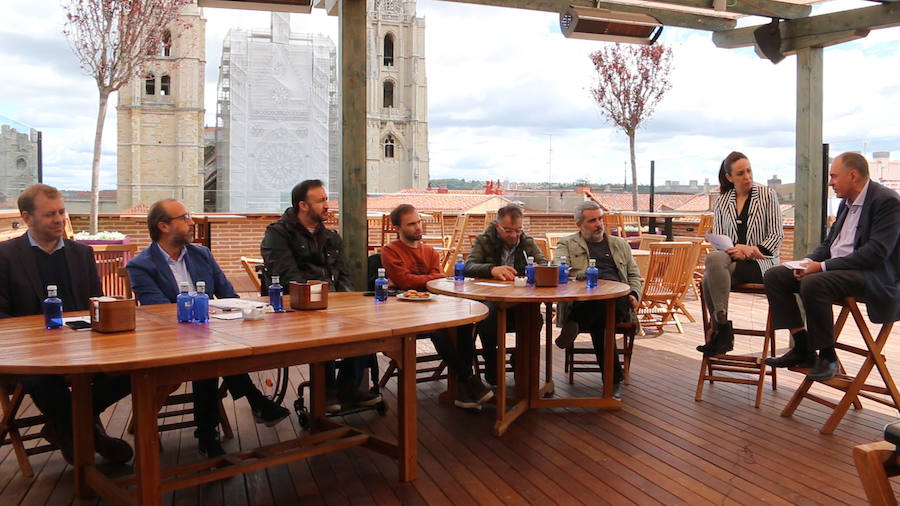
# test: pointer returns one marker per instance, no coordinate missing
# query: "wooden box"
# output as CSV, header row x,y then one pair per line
x,y
309,295
111,314
546,275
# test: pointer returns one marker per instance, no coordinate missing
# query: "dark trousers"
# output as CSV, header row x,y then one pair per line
x,y
818,292
487,329
591,317
52,397
206,395
459,358
349,370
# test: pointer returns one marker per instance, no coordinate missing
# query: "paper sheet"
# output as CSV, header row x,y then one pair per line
x,y
234,303
719,241
487,283
231,315
796,264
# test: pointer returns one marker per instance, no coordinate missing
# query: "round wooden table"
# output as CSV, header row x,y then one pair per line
x,y
528,300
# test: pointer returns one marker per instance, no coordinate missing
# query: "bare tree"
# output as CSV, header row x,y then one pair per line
x,y
113,39
630,82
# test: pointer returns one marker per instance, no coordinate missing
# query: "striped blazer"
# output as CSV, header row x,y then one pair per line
x,y
765,227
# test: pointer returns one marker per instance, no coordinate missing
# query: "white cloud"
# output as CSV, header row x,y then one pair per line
x,y
499,81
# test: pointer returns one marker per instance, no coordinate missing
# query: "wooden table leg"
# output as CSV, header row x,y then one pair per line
x,y
83,432
317,394
549,387
406,411
609,348
449,395
500,424
146,439
872,463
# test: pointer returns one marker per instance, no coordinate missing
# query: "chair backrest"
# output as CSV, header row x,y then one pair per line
x,y
705,225
249,265
666,270
646,239
456,242
614,224
387,229
633,221
109,259
489,216
433,221
544,245
122,273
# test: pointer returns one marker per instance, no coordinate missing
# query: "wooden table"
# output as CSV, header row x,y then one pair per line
x,y
665,215
161,353
527,369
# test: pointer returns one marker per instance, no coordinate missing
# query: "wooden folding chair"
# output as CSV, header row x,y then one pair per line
x,y
432,368
12,426
705,226
875,463
456,243
664,285
853,387
614,224
433,223
387,230
573,364
690,267
648,239
109,259
544,246
733,363
249,265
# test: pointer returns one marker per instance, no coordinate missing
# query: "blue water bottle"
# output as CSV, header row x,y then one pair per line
x,y
275,298
459,269
381,284
563,270
592,274
52,309
201,303
185,303
529,271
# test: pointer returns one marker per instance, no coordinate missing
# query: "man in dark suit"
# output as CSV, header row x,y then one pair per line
x,y
28,264
155,275
859,258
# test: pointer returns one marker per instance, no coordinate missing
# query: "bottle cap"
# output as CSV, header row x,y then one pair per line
x,y
276,280
184,286
562,259
201,286
459,257
381,272
51,290
530,260
592,262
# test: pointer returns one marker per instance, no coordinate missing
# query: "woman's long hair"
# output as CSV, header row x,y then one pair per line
x,y
725,168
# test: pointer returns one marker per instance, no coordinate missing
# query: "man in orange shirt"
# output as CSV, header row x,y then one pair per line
x,y
410,264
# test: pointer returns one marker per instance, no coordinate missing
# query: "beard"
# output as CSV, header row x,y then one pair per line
x,y
318,217
412,237
593,236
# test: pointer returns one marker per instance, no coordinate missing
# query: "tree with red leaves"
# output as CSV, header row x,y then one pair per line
x,y
630,82
112,40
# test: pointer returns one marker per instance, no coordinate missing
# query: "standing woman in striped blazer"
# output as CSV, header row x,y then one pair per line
x,y
749,214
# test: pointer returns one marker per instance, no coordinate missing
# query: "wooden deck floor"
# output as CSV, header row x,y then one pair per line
x,y
663,447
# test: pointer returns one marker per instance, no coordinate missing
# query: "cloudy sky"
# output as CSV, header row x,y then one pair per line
x,y
503,85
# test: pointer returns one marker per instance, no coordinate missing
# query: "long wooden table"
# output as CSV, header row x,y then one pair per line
x,y
527,301
161,354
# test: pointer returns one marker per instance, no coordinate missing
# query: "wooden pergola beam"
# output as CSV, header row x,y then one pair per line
x,y
767,8
825,25
301,6
697,21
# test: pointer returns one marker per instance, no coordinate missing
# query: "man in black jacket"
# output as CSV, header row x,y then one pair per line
x,y
500,252
859,258
299,248
28,264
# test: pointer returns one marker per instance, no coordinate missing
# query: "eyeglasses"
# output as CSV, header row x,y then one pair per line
x,y
517,231
186,217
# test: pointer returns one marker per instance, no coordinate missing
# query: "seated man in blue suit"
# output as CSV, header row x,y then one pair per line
x,y
155,275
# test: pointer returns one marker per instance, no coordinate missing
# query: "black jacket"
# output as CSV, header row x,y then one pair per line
x,y
487,253
289,250
21,292
876,251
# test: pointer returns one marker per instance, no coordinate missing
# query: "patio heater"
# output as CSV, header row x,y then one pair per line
x,y
603,24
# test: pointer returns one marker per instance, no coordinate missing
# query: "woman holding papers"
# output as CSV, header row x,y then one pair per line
x,y
748,214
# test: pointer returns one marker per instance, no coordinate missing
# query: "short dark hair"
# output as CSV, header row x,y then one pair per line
x,y
855,161
399,212
725,168
157,215
511,210
298,194
26,199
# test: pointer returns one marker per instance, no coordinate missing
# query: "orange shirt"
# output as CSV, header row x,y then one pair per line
x,y
410,268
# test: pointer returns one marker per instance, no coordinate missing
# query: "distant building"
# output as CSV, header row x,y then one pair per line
x,y
397,109
885,171
18,160
276,117
160,120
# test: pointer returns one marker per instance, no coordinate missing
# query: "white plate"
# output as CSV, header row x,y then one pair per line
x,y
413,299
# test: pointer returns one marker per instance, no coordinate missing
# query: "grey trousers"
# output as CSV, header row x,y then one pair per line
x,y
818,292
721,273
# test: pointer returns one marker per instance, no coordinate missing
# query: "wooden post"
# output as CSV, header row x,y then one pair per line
x,y
807,213
352,16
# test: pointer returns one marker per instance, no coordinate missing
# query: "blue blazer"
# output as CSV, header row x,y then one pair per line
x,y
876,251
153,282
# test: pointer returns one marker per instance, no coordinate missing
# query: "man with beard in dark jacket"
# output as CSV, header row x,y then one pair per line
x,y
500,253
299,248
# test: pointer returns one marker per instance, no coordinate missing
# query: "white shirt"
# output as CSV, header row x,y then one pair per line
x,y
179,268
843,243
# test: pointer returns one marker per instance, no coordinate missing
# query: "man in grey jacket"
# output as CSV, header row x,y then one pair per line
x,y
614,262
500,253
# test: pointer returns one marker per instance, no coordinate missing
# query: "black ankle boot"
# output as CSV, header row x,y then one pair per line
x,y
724,340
